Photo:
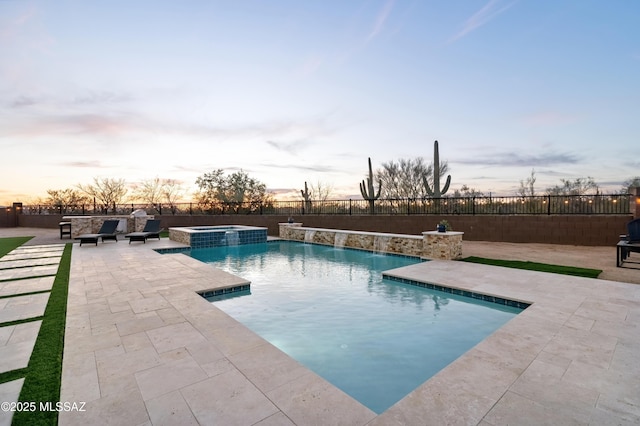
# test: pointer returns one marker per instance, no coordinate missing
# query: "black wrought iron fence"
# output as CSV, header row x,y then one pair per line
x,y
536,205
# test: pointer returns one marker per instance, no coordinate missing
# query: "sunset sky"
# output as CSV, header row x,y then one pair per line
x,y
292,91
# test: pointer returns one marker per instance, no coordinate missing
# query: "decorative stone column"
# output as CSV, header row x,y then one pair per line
x,y
442,245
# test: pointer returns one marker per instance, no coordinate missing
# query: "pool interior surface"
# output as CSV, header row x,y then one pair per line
x,y
331,310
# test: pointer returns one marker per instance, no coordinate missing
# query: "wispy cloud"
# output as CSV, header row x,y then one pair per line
x,y
550,118
633,164
381,18
101,98
42,123
25,30
310,65
69,124
9,31
83,164
482,17
360,24
23,101
307,168
90,98
519,160
290,147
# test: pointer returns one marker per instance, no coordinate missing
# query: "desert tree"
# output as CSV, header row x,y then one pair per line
x,y
210,187
106,191
630,183
575,193
155,192
321,191
238,190
172,192
404,178
527,188
65,198
148,191
466,192
578,186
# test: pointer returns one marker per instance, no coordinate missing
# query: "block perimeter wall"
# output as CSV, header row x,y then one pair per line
x,y
583,230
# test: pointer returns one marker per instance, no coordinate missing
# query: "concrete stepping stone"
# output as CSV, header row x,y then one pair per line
x,y
24,263
22,255
23,307
29,285
15,351
9,392
41,248
34,271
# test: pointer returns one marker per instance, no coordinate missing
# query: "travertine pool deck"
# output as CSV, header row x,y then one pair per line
x,y
141,347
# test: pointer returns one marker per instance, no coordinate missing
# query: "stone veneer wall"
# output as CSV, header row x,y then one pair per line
x,y
445,246
91,224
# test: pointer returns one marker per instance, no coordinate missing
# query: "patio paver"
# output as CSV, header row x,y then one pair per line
x,y
568,358
571,357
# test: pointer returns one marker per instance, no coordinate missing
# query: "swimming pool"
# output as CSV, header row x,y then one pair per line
x,y
330,309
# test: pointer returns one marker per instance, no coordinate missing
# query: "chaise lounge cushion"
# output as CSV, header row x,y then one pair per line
x,y
151,230
107,232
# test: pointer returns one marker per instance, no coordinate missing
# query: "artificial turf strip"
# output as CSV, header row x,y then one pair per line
x,y
20,321
44,373
8,244
26,266
534,266
10,376
9,296
25,278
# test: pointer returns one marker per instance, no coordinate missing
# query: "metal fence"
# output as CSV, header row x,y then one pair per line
x,y
535,205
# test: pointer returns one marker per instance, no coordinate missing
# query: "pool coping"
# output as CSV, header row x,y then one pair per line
x,y
570,357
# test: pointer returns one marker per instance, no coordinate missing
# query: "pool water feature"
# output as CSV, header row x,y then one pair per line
x,y
331,310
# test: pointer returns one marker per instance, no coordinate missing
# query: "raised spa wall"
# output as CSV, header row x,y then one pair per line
x,y
429,245
216,236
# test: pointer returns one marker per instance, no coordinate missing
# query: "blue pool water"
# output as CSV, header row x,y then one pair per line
x,y
330,309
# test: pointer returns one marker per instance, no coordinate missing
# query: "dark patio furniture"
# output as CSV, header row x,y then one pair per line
x,y
629,243
151,230
107,232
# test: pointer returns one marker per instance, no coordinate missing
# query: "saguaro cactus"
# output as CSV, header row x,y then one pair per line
x,y
368,191
307,198
436,192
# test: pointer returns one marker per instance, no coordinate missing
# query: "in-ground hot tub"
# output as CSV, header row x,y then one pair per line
x,y
215,236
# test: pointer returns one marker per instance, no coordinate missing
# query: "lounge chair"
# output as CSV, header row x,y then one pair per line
x,y
629,243
151,230
107,232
